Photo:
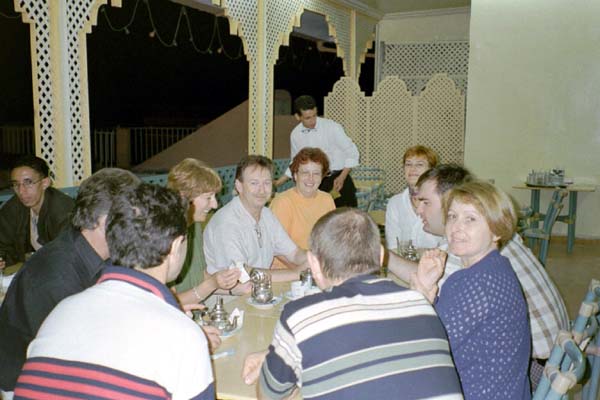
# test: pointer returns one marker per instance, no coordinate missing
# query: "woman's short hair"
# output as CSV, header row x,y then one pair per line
x,y
346,242
308,154
192,177
492,203
421,151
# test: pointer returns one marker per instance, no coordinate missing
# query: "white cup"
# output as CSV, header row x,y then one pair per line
x,y
297,289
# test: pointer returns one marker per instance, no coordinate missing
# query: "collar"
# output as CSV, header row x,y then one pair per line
x,y
87,253
140,280
309,130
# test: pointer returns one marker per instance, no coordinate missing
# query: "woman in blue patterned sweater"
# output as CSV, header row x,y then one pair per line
x,y
481,306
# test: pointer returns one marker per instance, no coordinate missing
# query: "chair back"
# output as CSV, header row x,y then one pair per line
x,y
585,333
563,370
554,208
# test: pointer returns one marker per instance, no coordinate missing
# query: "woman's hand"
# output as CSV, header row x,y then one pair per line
x,y
227,278
429,272
242,288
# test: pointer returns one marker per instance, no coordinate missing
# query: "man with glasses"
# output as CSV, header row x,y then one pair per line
x,y
35,215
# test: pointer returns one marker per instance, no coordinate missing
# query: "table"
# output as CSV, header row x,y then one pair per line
x,y
255,335
568,219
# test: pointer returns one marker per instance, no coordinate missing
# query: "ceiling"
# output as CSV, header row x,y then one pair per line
x,y
397,6
384,6
313,25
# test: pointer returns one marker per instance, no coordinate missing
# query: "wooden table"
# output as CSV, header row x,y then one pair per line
x,y
568,219
255,335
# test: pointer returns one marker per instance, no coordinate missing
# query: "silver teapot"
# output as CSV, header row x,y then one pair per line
x,y
219,317
411,253
262,290
307,278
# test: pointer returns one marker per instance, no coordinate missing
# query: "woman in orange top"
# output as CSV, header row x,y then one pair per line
x,y
299,208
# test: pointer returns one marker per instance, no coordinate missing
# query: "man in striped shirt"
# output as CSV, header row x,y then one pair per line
x,y
363,336
126,337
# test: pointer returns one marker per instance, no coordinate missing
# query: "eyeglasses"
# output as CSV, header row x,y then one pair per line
x,y
307,174
27,184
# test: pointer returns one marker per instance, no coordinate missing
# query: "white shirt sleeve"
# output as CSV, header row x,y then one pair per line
x,y
346,147
294,147
393,228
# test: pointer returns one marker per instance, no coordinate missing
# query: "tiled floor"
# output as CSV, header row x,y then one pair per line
x,y
573,272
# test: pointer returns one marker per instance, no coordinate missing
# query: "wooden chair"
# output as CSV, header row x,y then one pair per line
x,y
542,235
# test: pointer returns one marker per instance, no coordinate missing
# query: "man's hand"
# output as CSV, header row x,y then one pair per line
x,y
188,308
227,278
281,180
339,182
212,334
252,366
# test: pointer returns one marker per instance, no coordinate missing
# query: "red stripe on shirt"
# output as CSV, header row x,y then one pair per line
x,y
131,279
154,390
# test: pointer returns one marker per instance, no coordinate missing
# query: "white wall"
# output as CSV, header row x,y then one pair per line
x,y
415,27
533,96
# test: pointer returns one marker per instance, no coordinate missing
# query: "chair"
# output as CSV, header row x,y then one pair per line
x,y
542,235
585,333
563,370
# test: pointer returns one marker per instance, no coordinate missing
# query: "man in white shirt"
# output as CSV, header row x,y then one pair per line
x,y
547,311
244,230
329,136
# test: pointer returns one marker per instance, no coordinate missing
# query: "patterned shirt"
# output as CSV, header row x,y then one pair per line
x,y
484,312
547,311
366,338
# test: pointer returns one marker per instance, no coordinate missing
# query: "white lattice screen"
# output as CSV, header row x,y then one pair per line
x,y
416,63
263,26
279,20
385,125
78,13
36,13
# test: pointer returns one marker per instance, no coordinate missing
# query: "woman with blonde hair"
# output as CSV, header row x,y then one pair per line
x,y
198,184
482,305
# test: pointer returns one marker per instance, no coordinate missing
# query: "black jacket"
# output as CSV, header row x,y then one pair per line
x,y
14,223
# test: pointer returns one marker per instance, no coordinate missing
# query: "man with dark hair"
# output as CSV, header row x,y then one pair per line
x,y
246,231
547,311
129,326
329,136
67,265
35,215
363,337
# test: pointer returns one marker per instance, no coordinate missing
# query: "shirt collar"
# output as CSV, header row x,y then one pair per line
x,y
140,280
309,130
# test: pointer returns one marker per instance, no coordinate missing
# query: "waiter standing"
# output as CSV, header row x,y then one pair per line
x,y
329,136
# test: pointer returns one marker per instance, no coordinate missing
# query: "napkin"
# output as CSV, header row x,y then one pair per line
x,y
244,277
237,313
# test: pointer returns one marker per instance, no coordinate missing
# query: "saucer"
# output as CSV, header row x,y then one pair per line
x,y
264,306
288,295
